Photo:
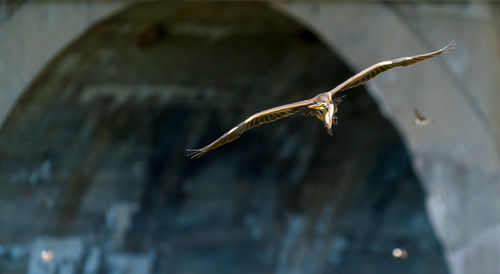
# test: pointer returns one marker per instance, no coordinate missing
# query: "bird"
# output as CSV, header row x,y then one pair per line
x,y
421,120
323,106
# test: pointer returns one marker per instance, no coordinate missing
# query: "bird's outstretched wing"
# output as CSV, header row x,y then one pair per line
x,y
370,72
266,116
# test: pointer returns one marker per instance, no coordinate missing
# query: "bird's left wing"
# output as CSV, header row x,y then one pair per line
x,y
266,116
370,72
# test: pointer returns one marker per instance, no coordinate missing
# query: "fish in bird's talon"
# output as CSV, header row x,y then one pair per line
x,y
421,120
324,105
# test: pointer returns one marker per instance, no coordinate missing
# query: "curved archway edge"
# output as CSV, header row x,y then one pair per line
x,y
457,159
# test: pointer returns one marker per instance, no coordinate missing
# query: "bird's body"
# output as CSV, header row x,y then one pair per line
x,y
421,120
323,106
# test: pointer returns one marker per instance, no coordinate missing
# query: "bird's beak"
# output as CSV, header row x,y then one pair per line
x,y
318,106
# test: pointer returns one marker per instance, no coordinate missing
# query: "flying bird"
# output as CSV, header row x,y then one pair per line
x,y
323,106
421,120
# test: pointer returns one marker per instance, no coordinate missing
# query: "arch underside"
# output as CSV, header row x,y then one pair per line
x,y
120,104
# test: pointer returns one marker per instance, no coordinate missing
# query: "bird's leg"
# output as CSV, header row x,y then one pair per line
x,y
335,106
339,100
319,116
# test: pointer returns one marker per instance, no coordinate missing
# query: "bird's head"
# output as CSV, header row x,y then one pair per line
x,y
326,114
321,106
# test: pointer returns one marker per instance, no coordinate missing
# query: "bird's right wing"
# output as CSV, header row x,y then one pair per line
x,y
370,72
266,116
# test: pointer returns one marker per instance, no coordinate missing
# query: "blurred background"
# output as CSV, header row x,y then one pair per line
x,y
100,99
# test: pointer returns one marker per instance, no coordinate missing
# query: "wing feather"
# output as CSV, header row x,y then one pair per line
x,y
266,116
370,72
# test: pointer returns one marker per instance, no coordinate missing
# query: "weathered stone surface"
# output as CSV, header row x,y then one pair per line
x,y
113,115
482,249
129,263
93,262
458,157
34,34
51,256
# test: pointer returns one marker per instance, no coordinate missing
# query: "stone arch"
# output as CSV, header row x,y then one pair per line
x,y
439,158
458,158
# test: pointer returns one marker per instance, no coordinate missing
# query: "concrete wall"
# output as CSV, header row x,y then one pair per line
x,y
33,35
457,157
95,165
